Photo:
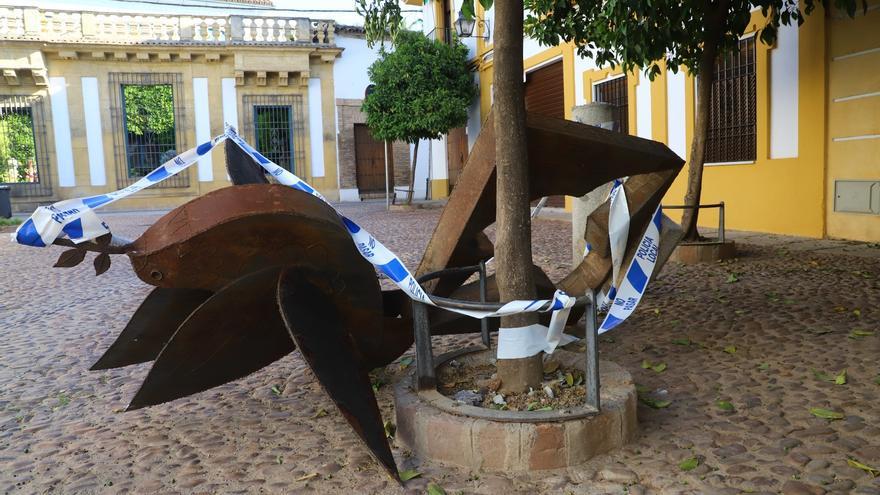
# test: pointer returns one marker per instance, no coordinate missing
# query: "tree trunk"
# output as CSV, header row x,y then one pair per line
x,y
704,80
513,245
412,174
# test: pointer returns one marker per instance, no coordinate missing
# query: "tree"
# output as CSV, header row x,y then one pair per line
x,y
645,34
513,255
17,148
421,90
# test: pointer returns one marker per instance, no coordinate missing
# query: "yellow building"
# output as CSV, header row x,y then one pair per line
x,y
91,101
795,134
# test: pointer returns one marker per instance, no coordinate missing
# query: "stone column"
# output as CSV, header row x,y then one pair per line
x,y
601,115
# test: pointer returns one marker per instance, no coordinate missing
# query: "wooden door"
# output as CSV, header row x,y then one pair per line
x,y
545,94
370,163
456,153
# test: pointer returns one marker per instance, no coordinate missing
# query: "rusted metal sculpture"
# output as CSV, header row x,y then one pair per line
x,y
246,274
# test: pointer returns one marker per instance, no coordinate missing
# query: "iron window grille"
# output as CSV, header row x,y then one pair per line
x,y
140,141
615,92
277,127
24,162
732,134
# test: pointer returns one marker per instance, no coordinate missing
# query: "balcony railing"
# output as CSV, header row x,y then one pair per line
x,y
56,26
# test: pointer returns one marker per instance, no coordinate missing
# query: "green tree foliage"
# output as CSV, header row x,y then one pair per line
x,y
641,33
421,90
17,148
149,109
382,20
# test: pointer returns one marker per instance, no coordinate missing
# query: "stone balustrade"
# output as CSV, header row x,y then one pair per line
x,y
55,26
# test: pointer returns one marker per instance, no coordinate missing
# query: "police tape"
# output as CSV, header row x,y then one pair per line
x,y
76,219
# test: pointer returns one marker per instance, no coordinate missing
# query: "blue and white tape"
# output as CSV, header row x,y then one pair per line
x,y
76,219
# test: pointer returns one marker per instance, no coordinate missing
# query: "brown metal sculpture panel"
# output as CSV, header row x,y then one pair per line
x,y
246,274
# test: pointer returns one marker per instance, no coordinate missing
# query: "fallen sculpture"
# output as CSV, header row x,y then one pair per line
x,y
246,274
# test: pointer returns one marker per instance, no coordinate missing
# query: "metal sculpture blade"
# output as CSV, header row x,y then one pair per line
x,y
234,333
152,325
310,308
241,167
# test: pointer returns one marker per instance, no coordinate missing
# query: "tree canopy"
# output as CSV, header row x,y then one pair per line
x,y
148,108
640,34
17,147
421,89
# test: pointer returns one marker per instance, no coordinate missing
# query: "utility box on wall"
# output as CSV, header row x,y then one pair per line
x,y
857,196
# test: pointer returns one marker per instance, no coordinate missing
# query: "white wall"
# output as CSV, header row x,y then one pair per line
x,y
784,94
676,113
644,127
350,70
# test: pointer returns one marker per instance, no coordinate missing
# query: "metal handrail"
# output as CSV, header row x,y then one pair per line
x,y
720,206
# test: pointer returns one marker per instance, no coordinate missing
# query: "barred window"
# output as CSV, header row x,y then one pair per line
x,y
732,134
148,124
274,132
615,92
276,124
22,146
149,127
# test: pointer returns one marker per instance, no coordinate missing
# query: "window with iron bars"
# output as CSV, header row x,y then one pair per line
x,y
615,92
149,127
732,134
23,155
277,126
148,122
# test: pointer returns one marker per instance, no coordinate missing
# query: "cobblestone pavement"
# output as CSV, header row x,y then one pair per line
x,y
785,308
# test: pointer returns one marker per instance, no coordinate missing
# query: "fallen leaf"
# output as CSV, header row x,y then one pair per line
x,y
840,379
656,311
731,349
821,375
531,406
857,312
763,366
731,278
320,413
864,467
276,390
306,477
569,379
646,364
724,405
681,341
405,362
659,367
857,334
877,380
825,413
279,460
390,429
409,474
689,464
655,403
435,489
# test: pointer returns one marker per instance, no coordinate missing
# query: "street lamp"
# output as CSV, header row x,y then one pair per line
x,y
465,27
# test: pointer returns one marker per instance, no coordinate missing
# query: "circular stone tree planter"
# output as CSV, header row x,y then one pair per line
x,y
704,252
435,427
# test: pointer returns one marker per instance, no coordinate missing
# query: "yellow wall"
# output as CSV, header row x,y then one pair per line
x,y
782,196
853,159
